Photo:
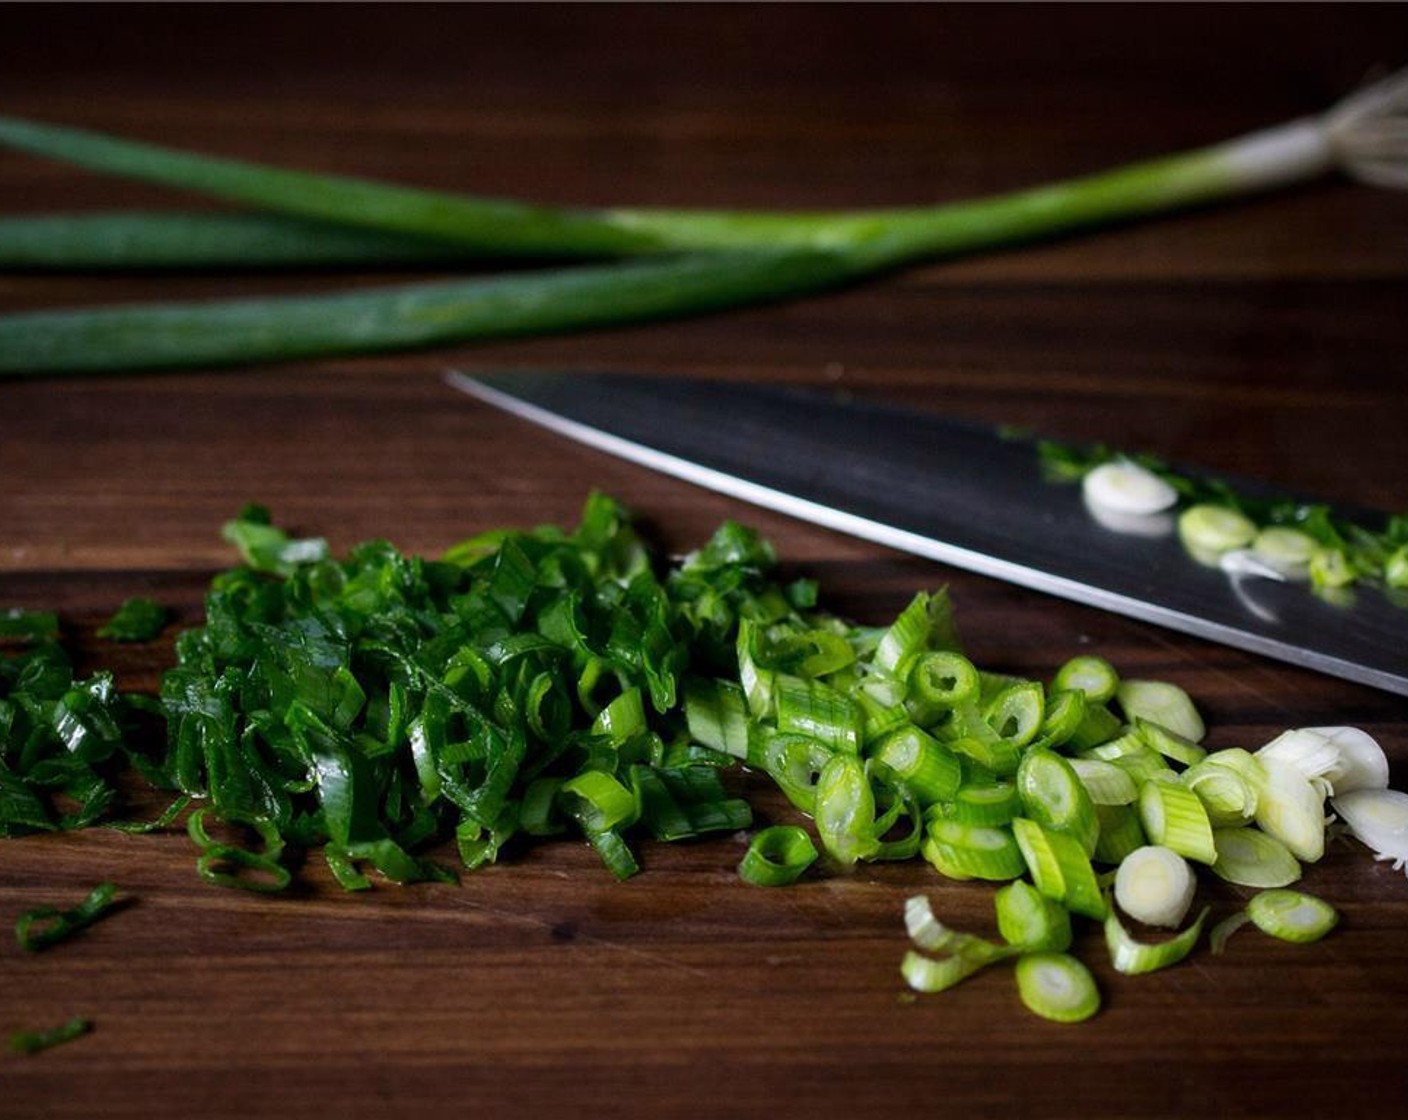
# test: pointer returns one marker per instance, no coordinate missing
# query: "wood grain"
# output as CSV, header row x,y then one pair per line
x,y
1266,338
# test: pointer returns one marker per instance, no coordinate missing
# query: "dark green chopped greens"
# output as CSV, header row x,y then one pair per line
x,y
1352,550
44,926
529,684
33,1042
63,740
137,620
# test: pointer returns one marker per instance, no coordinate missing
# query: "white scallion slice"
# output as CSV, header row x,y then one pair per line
x,y
1174,817
1346,757
1154,885
1252,858
1060,868
1164,704
1291,808
1122,486
1292,915
1057,987
1378,818
1134,958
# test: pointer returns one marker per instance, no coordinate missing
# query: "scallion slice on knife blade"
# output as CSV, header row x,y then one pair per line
x,y
800,252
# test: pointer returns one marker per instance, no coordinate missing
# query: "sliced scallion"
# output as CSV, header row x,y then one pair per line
x,y
1120,832
923,765
1154,885
1174,817
1060,868
1052,795
973,851
43,926
1058,987
991,804
1291,808
1162,703
1378,818
34,1042
1252,858
1292,915
1029,920
1133,958
777,856
1106,783
1093,676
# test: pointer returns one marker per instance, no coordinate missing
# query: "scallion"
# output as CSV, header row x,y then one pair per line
x,y
1058,987
1292,915
1134,958
1252,858
34,1042
43,926
1154,885
777,856
738,257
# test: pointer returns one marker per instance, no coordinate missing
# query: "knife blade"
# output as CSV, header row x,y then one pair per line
x,y
956,492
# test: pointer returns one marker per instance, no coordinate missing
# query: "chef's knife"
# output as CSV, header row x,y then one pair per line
x,y
959,493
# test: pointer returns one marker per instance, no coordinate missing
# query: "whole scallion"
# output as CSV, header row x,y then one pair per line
x,y
751,256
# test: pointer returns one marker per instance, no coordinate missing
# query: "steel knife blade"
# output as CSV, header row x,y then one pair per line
x,y
956,492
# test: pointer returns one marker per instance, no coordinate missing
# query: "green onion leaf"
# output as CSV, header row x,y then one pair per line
x,y
137,620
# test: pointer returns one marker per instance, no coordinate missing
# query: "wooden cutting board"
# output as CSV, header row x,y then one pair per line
x,y
1264,339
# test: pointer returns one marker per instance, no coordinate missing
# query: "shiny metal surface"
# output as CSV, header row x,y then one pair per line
x,y
958,493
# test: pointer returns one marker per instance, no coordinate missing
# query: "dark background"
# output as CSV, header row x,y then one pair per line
x,y
1266,337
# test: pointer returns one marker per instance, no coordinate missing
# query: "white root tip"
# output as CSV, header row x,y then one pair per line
x,y
1369,132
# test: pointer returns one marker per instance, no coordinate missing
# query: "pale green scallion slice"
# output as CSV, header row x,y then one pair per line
x,y
1209,531
1030,921
1106,783
1174,817
1134,958
1292,915
1059,867
975,851
1058,987
1052,795
1252,858
1162,703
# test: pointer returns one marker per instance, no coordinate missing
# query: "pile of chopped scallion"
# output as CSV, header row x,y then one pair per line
x,y
545,683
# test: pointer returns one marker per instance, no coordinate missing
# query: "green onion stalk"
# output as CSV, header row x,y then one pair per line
x,y
651,263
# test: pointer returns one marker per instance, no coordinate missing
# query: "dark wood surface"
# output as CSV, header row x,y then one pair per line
x,y
1267,338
